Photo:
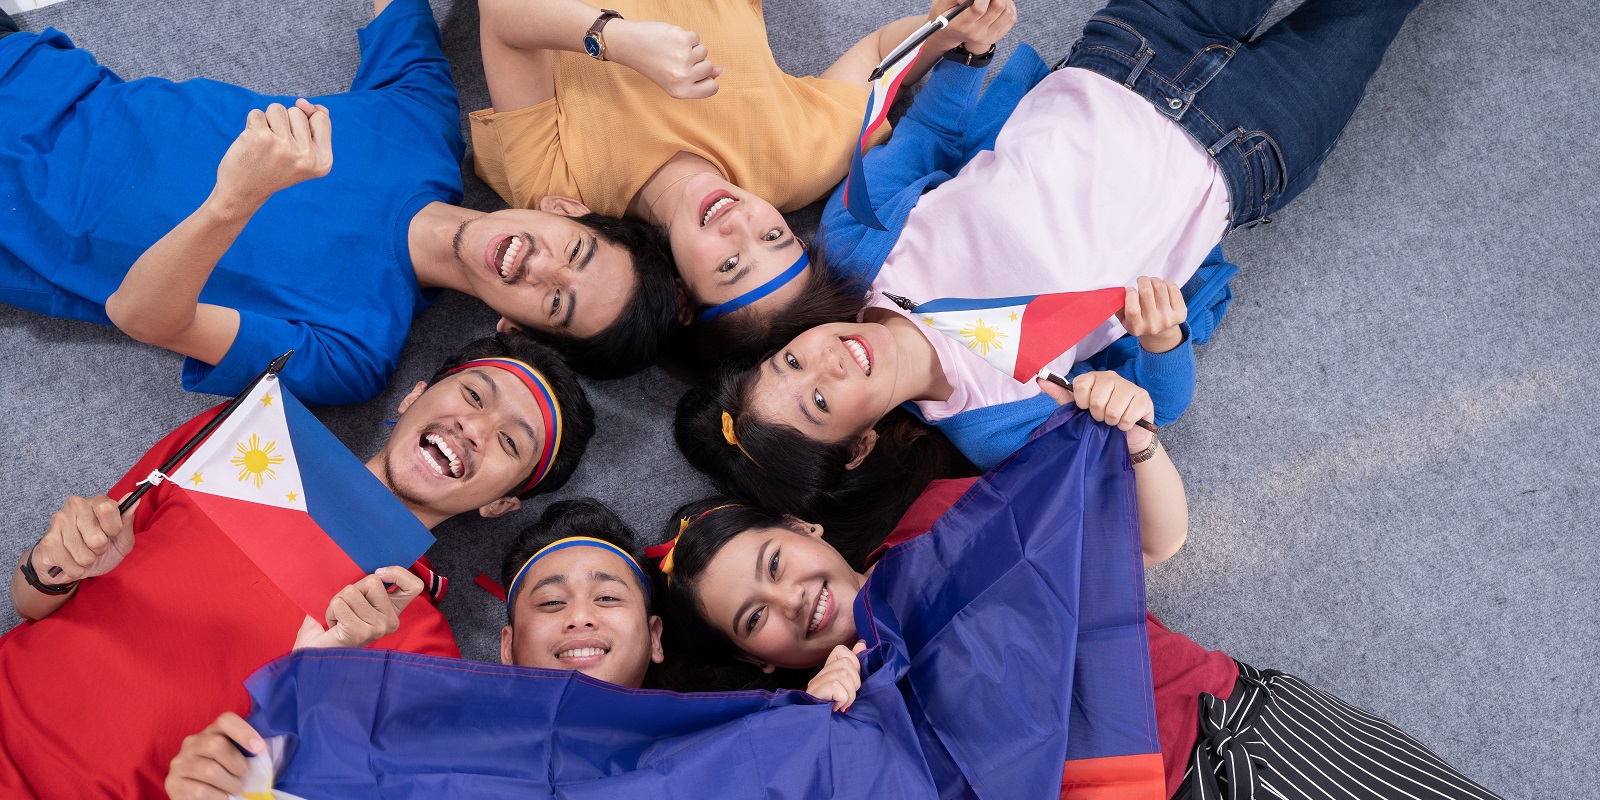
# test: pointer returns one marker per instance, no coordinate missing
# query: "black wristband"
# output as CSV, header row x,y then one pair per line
x,y
33,578
961,55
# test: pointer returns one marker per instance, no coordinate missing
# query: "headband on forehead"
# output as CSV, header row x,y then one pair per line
x,y
549,409
778,281
576,541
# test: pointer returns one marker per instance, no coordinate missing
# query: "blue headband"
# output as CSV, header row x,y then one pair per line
x,y
759,292
577,541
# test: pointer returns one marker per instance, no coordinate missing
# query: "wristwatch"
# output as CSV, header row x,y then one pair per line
x,y
961,55
594,42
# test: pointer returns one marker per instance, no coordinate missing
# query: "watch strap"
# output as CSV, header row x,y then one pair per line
x,y
961,55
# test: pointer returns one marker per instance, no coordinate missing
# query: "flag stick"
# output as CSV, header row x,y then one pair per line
x,y
183,452
1045,373
921,35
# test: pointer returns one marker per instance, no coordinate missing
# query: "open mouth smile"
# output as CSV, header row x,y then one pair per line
x,y
508,257
714,205
442,455
858,350
582,653
822,613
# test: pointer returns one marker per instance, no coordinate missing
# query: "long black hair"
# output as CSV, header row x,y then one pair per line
x,y
577,416
779,468
700,657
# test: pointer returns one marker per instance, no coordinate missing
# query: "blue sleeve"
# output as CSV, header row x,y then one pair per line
x,y
328,367
1169,377
402,50
927,142
988,434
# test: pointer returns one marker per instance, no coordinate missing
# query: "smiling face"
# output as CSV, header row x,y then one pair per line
x,y
543,271
831,383
582,608
781,596
727,241
467,441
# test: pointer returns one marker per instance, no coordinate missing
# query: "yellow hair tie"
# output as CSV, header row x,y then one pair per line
x,y
729,436
666,564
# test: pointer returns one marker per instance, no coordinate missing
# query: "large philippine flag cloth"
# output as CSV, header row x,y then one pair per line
x,y
1020,335
1007,659
296,501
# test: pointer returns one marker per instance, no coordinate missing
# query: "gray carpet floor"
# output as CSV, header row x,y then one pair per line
x,y
1391,455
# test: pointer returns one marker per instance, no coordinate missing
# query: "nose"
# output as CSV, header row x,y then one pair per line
x,y
579,617
473,428
796,602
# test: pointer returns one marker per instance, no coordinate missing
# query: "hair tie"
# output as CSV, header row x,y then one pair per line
x,y
732,437
667,564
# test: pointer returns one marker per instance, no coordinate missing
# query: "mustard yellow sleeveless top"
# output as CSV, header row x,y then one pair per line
x,y
608,129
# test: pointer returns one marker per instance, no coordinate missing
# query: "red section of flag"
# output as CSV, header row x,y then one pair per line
x,y
1054,322
290,548
1136,777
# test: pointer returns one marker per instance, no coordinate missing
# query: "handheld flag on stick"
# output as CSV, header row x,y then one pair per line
x,y
1018,335
885,80
288,493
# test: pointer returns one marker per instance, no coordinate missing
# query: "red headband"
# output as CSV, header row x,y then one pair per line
x,y
549,409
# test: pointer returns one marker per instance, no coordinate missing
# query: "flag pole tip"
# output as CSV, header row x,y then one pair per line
x,y
277,363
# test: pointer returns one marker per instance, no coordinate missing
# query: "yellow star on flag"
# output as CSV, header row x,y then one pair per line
x,y
928,320
196,479
266,400
292,496
1013,316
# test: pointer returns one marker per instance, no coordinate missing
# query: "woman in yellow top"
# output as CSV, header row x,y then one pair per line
x,y
675,112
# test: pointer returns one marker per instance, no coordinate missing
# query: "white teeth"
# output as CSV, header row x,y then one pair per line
x,y
822,607
455,462
582,652
510,257
713,209
859,353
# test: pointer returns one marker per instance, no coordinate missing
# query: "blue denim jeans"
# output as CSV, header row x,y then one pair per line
x,y
1268,109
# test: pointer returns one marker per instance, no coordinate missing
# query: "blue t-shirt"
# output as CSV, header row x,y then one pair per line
x,y
94,170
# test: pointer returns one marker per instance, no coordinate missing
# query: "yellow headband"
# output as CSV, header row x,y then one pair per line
x,y
729,436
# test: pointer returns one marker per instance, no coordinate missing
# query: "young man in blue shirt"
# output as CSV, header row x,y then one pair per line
x,y
293,242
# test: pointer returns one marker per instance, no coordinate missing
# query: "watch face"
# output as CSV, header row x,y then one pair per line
x,y
591,45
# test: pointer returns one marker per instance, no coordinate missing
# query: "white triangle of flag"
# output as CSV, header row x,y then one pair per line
x,y
249,456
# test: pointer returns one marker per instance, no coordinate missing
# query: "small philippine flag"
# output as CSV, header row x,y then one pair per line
x,y
296,501
856,200
1020,335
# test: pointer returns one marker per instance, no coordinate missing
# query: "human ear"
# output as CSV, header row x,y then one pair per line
x,y
505,646
565,206
861,448
507,326
765,667
802,527
500,508
685,305
656,653
416,392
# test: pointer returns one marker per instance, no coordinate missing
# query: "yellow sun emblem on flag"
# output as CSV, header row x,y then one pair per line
x,y
982,338
255,462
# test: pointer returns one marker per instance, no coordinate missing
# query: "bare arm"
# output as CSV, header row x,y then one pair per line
x,y
977,28
86,538
159,300
1163,505
518,36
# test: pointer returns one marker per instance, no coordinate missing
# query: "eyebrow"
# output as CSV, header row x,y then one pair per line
x,y
583,263
558,578
787,240
494,389
761,555
805,411
744,270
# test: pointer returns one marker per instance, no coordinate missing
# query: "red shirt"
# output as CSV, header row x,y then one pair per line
x,y
97,698
1180,669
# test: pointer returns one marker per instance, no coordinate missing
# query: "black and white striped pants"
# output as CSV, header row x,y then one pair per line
x,y
1278,737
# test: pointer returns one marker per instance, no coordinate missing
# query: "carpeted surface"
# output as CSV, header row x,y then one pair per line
x,y
1390,457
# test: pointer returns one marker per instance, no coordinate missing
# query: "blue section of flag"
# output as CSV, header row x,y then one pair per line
x,y
357,511
1005,642
972,303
